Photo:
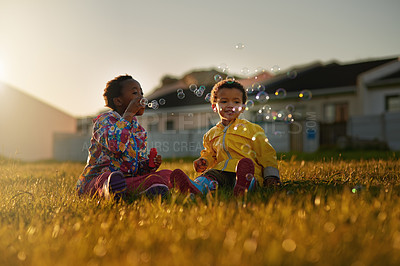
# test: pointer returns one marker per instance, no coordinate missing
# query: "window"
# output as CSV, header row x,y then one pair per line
x,y
170,125
393,103
336,112
152,128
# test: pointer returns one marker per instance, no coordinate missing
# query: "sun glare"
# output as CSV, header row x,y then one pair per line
x,y
2,70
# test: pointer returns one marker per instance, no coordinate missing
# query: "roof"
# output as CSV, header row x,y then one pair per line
x,y
315,76
332,75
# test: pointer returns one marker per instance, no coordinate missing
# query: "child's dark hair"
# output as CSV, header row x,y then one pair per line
x,y
227,84
113,90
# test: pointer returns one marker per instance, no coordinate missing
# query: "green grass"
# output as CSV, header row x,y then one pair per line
x,y
327,212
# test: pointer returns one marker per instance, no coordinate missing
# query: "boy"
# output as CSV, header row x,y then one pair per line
x,y
236,152
117,160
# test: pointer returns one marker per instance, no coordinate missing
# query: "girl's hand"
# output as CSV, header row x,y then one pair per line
x,y
200,165
158,161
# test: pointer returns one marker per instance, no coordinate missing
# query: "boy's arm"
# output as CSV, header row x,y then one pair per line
x,y
266,156
208,152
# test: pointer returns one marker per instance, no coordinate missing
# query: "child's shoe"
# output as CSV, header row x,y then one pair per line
x,y
115,186
153,186
244,176
180,180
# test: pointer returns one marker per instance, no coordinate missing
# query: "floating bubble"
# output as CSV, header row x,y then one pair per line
x,y
218,78
258,135
223,67
280,93
249,177
266,109
179,90
245,148
288,119
239,46
279,133
259,70
208,97
262,96
253,154
250,90
280,115
144,102
357,188
245,71
230,79
275,69
290,108
154,104
249,104
199,93
181,95
162,101
192,87
292,74
305,95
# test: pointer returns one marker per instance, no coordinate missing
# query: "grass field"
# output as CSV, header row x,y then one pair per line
x,y
327,212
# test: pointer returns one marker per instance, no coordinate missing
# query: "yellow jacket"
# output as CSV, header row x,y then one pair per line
x,y
224,146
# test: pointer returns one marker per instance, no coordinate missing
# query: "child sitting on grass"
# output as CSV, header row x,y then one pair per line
x,y
117,161
236,152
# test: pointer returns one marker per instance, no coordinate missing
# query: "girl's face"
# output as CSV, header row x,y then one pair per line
x,y
131,90
229,104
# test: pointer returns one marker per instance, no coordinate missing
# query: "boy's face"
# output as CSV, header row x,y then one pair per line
x,y
131,90
229,104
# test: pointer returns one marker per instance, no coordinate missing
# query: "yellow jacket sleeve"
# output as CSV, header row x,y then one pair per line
x,y
266,154
208,152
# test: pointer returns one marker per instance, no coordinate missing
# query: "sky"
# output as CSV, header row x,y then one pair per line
x,y
63,52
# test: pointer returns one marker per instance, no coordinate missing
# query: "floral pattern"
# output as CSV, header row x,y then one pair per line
x,y
116,145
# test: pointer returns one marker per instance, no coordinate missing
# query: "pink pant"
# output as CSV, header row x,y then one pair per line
x,y
134,184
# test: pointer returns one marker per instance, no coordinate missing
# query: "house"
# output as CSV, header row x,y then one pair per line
x,y
307,107
317,105
28,125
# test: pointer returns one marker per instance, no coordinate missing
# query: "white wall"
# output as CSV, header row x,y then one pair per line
x,y
27,125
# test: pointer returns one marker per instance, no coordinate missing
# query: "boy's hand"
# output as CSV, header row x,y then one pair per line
x,y
272,181
157,161
200,165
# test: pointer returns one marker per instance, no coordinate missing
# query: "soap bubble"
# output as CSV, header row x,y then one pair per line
x,y
305,95
249,177
162,101
218,78
266,109
199,92
223,67
245,148
292,74
262,96
239,46
245,71
290,108
144,102
249,104
181,95
275,69
230,79
154,104
280,93
258,135
208,97
192,87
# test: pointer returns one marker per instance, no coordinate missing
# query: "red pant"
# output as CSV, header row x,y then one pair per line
x,y
134,184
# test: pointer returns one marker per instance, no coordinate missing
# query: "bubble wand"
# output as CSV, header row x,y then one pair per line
x,y
152,155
